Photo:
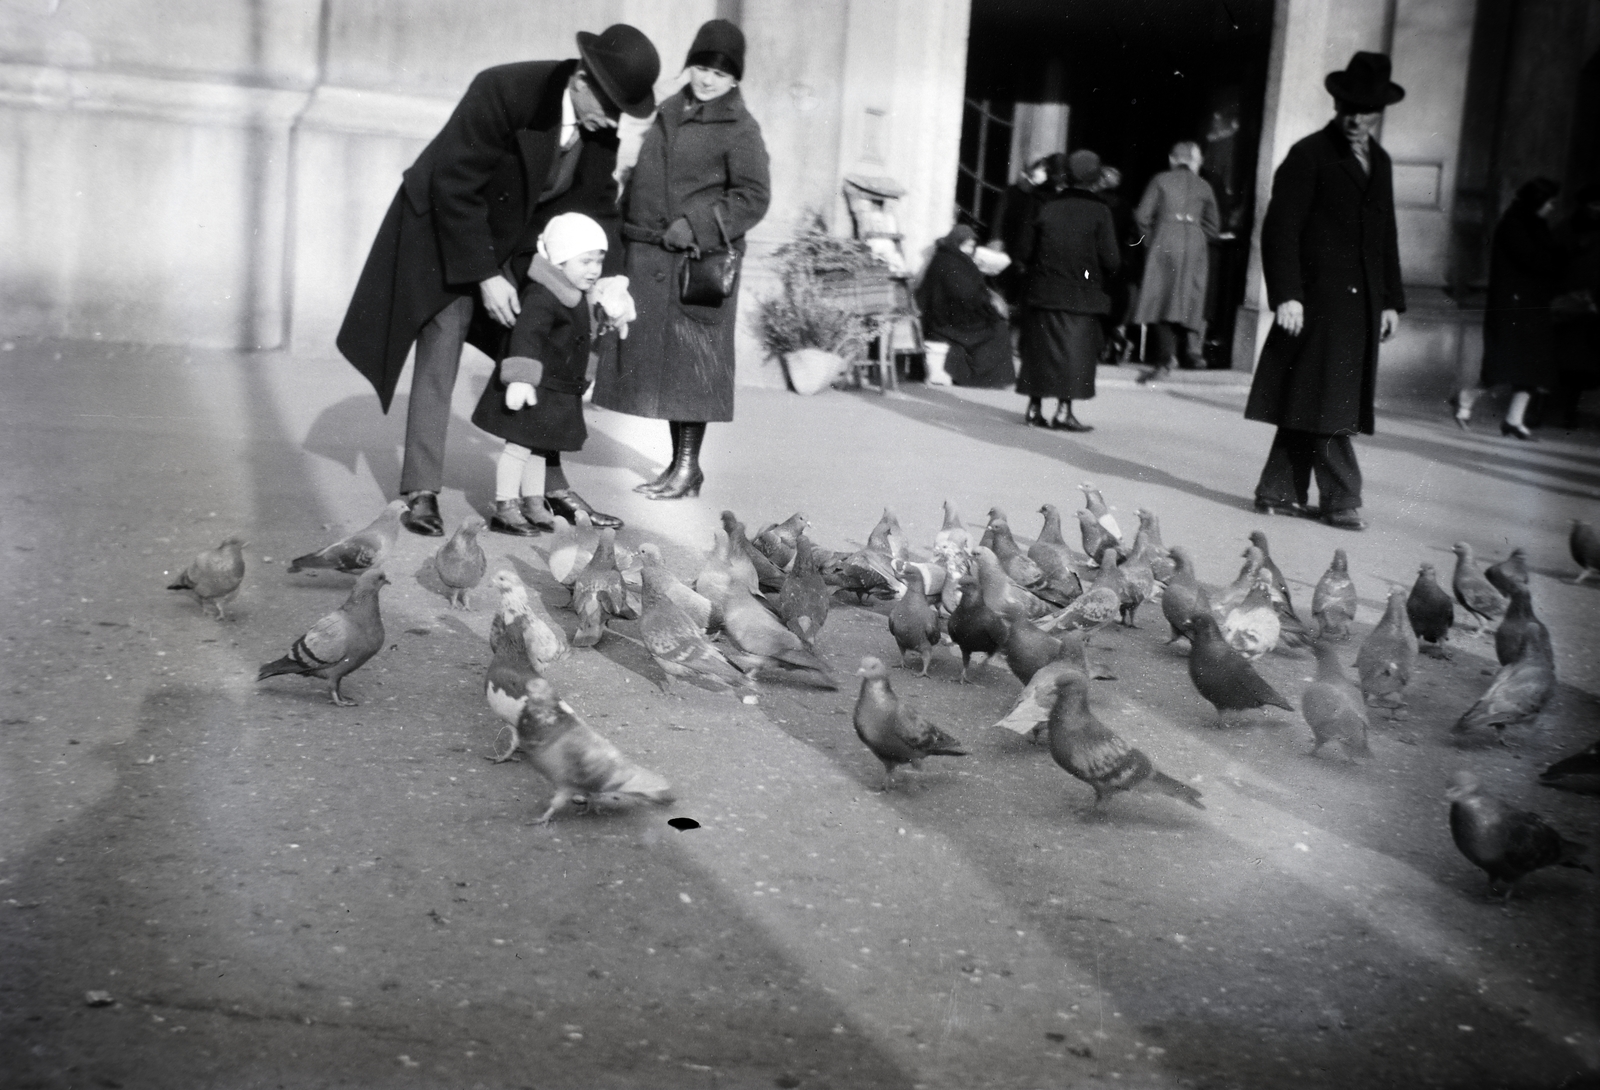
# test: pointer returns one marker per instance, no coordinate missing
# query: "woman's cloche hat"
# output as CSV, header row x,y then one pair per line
x,y
1365,83
625,65
719,45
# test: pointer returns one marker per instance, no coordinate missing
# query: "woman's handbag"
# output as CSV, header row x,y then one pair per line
x,y
708,279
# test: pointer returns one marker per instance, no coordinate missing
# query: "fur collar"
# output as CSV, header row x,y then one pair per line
x,y
553,280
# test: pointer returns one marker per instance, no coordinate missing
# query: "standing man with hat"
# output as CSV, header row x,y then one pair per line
x,y
527,141
1332,262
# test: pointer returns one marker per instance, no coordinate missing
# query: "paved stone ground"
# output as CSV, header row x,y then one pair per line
x,y
277,892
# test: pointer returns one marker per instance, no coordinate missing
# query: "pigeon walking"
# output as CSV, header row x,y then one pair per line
x,y
685,597
1333,603
584,766
953,533
1096,538
1502,841
887,537
214,575
974,627
913,621
1252,627
460,562
1136,583
1098,606
542,639
598,592
1096,506
760,641
779,541
1183,597
768,576
364,549
1519,691
1510,572
1280,585
1097,755
1388,655
1001,593
1475,593
1333,707
1222,676
1518,626
679,645
1156,554
1030,712
1584,543
804,600
341,642
891,728
1431,612
572,547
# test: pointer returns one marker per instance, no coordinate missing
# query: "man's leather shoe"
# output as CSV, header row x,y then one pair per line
x,y
568,503
1345,520
1070,423
421,515
1282,507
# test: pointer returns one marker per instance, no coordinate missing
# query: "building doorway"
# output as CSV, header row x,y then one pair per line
x,y
1127,78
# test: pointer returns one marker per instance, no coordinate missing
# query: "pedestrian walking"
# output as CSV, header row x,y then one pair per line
x,y
1070,254
958,308
1177,218
1526,269
700,184
535,399
1331,256
466,214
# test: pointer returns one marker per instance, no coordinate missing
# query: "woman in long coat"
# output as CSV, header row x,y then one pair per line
x,y
956,308
1177,217
1070,255
700,184
1525,272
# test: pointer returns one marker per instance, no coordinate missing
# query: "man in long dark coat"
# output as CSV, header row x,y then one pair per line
x,y
1332,263
526,142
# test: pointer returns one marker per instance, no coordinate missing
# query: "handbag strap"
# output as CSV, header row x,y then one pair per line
x,y
727,242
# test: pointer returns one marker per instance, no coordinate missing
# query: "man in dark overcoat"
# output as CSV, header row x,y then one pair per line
x,y
1332,263
527,141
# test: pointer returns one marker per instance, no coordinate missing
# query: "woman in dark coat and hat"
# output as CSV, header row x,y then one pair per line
x,y
957,308
1070,254
1331,257
700,184
1525,271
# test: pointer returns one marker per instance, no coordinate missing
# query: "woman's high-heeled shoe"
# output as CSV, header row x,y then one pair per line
x,y
1035,417
686,477
1517,431
672,464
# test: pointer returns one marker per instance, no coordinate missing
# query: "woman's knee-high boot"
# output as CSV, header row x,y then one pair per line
x,y
651,486
686,477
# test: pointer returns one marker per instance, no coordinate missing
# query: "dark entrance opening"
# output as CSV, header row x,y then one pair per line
x,y
1127,78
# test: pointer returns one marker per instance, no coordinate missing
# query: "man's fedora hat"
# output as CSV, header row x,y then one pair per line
x,y
1365,83
624,64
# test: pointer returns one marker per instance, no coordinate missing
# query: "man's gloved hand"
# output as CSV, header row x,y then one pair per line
x,y
680,236
519,395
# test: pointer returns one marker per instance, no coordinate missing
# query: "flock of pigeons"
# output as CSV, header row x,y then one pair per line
x,y
756,608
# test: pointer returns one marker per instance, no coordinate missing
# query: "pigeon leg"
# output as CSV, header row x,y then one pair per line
x,y
965,659
562,796
1581,576
926,656
338,697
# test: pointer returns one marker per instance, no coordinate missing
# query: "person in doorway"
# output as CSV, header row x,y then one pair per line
x,y
958,308
1177,216
1331,256
700,184
1013,218
535,399
1070,254
1525,274
1122,288
527,141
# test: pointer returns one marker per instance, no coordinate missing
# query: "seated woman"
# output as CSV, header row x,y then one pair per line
x,y
957,309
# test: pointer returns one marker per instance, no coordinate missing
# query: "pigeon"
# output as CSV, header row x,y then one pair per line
x,y
1333,707
973,626
1096,506
1519,691
341,642
598,592
778,541
362,550
572,547
1431,611
742,559
887,537
1585,546
1003,595
1333,603
804,600
1518,626
1051,551
864,572
214,575
1096,538
1483,603
1388,655
543,640
505,682
1183,596
1028,648
956,564
714,579
1030,713
1025,572
1503,842
1135,584
1100,604
1156,553
1280,585
1512,571
891,727
460,561
1097,755
1579,772
954,532
584,767
685,597
1252,627
678,645
1231,595
761,641
1222,676
913,621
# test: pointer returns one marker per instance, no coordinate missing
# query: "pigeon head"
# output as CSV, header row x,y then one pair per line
x,y
1426,569
651,554
1340,561
505,581
1259,540
372,579
1086,518
234,543
472,525
1180,554
541,694
911,574
873,669
1462,784
1462,549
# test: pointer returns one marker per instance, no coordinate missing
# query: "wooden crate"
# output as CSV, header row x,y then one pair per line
x,y
863,291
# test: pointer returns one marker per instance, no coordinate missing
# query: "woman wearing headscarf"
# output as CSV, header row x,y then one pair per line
x,y
1070,253
701,182
958,309
1525,271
